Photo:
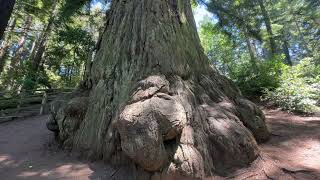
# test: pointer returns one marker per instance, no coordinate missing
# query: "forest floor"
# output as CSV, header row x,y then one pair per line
x,y
27,152
293,152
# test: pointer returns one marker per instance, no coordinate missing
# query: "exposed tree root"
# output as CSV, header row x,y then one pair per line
x,y
267,161
166,128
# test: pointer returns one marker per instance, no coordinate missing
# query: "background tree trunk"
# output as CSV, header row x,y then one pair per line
x,y
267,21
41,44
304,44
17,54
7,38
285,46
6,7
154,104
37,55
18,51
6,45
252,54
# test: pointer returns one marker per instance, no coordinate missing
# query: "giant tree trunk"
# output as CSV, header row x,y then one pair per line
x,y
6,7
153,103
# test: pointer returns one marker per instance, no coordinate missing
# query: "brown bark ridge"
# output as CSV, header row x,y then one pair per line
x,y
154,104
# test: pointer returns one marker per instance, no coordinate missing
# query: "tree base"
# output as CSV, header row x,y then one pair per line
x,y
197,127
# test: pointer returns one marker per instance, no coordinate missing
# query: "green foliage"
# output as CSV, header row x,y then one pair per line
x,y
194,3
70,7
299,88
218,46
67,53
235,14
67,44
231,58
238,43
252,81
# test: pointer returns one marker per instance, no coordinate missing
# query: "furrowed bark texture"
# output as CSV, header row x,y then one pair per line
x,y
153,103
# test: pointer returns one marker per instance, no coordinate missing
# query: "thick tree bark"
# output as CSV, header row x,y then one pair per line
x,y
265,14
6,7
153,104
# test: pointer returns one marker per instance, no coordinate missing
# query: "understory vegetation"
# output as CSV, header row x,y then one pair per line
x,y
269,48
298,89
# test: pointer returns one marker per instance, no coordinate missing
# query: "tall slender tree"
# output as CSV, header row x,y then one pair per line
x,y
251,52
17,54
36,56
268,24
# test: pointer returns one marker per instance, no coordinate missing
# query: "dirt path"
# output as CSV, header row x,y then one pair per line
x,y
292,153
24,154
294,146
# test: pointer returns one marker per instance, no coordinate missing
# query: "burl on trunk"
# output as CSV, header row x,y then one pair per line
x,y
152,101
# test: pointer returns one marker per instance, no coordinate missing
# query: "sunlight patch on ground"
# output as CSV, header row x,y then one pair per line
x,y
308,154
68,170
6,160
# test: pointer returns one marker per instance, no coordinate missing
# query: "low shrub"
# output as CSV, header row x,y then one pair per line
x,y
299,88
254,80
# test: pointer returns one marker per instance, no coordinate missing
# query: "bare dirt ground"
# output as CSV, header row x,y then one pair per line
x,y
293,152
26,152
